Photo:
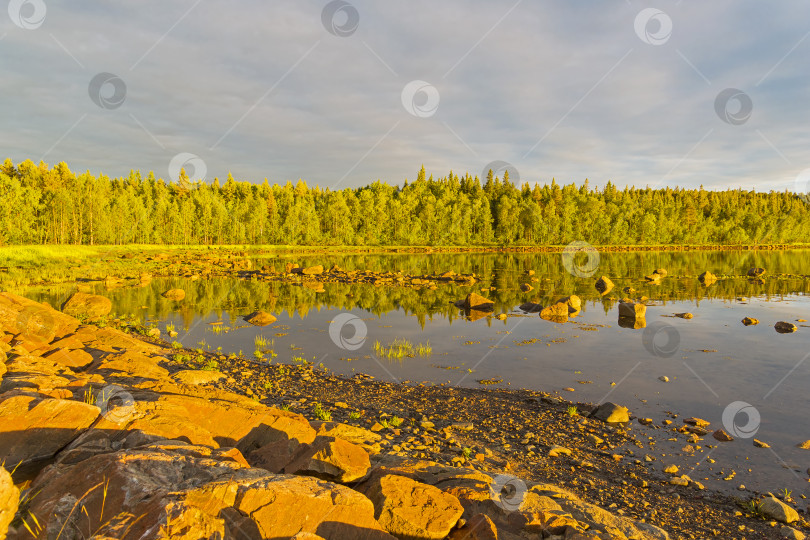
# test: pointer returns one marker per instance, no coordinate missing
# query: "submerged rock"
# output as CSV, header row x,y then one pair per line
x,y
784,327
260,318
748,321
707,278
603,285
174,294
476,301
632,310
611,413
756,272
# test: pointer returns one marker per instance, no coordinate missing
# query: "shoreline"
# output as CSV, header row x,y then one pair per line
x,y
606,473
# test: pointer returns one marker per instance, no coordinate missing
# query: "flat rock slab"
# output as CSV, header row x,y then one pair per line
x,y
36,429
196,376
90,306
207,495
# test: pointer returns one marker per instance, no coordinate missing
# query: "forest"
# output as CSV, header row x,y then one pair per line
x,y
53,205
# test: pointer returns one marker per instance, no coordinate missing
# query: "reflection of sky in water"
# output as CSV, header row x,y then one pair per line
x,y
528,352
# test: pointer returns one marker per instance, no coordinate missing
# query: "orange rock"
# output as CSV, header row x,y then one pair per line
x,y
75,358
35,429
331,459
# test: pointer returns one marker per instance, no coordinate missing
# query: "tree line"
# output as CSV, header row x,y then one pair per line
x,y
52,205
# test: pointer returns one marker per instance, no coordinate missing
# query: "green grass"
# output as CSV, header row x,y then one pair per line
x,y
322,414
262,343
572,411
400,348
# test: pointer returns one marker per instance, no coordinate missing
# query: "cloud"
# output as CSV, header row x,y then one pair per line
x,y
264,90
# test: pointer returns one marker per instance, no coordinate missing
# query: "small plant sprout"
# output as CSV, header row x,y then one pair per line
x,y
354,415
572,411
786,495
395,421
466,452
262,343
322,414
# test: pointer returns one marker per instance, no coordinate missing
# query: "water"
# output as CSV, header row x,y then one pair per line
x,y
712,361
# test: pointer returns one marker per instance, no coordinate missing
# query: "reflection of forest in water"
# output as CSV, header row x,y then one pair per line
x,y
504,272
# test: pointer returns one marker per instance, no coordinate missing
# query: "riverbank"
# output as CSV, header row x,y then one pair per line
x,y
194,438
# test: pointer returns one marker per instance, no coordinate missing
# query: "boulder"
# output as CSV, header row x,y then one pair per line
x,y
573,302
174,490
531,307
476,302
660,271
330,459
707,278
611,413
756,272
722,436
35,429
274,456
365,438
409,509
88,306
791,534
555,312
31,320
603,285
778,510
312,270
784,327
748,321
174,294
9,499
632,310
260,318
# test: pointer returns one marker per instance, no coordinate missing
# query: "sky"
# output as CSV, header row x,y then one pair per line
x,y
344,93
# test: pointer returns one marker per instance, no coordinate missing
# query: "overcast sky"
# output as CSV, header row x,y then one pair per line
x,y
624,91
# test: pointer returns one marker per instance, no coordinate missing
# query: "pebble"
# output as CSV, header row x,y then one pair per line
x,y
663,378
760,444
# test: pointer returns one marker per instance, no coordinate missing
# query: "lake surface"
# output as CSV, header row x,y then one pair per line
x,y
714,363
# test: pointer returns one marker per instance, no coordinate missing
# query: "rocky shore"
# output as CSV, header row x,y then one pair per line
x,y
105,434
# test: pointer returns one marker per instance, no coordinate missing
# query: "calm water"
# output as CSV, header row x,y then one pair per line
x,y
712,360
